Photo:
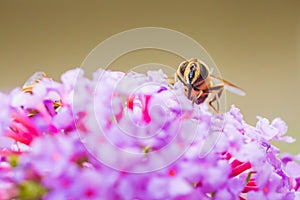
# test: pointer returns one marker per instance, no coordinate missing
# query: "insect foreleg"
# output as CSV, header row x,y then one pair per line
x,y
197,97
171,82
217,91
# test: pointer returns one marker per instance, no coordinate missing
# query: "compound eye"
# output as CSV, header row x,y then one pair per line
x,y
203,71
183,66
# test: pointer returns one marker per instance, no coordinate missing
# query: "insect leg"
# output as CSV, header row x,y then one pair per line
x,y
171,82
197,97
217,91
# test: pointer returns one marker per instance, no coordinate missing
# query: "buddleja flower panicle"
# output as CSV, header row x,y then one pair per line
x,y
72,140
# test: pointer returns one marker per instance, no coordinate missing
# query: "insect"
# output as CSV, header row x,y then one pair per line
x,y
28,86
33,80
199,83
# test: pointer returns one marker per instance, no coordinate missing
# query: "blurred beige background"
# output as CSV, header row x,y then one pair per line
x,y
255,44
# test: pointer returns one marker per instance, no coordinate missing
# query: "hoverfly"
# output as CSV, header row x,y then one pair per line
x,y
198,83
32,81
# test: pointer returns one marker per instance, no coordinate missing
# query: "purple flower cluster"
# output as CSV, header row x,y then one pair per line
x,y
131,136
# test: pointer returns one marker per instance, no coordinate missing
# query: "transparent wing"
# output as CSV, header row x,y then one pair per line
x,y
36,77
229,86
